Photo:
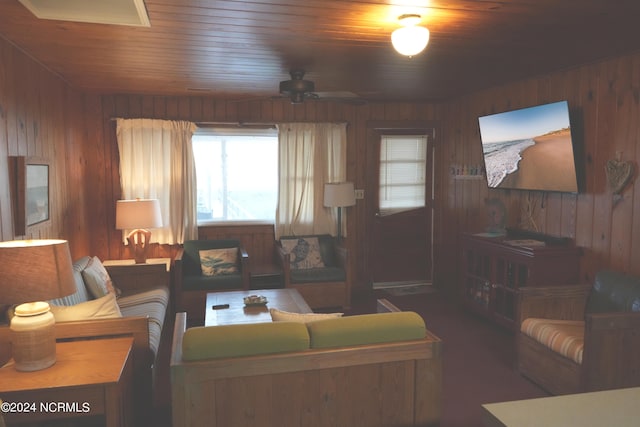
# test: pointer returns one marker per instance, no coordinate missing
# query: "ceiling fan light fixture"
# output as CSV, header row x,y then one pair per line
x,y
410,39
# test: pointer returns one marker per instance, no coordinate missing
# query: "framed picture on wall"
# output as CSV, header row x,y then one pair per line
x,y
37,193
29,192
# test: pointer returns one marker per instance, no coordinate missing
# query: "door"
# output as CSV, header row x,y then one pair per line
x,y
400,206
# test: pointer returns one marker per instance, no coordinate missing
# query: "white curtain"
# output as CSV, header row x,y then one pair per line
x,y
310,155
156,162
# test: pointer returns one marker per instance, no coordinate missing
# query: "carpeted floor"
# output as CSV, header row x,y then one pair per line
x,y
478,359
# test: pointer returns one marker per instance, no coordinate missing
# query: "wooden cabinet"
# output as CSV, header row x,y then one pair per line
x,y
89,378
494,268
127,274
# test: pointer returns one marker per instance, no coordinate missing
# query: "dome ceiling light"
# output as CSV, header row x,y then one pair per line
x,y
410,39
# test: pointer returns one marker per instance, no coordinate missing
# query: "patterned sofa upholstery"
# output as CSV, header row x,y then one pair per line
x,y
148,303
581,338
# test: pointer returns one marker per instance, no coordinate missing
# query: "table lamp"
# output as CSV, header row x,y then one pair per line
x,y
31,272
138,215
339,195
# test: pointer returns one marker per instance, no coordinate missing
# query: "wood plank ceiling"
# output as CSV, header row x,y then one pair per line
x,y
239,49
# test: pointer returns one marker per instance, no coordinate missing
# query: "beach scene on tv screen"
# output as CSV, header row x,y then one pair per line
x,y
529,149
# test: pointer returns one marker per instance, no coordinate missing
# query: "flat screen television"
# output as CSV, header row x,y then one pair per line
x,y
530,149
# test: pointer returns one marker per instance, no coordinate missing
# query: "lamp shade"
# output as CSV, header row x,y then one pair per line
x,y
35,270
411,39
138,213
339,194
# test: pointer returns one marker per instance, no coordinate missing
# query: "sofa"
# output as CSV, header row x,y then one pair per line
x,y
317,267
101,308
368,370
581,338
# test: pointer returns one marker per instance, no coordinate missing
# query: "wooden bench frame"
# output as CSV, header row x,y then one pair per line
x,y
390,384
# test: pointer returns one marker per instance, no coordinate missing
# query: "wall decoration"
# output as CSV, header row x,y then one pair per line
x,y
37,193
496,216
29,192
619,174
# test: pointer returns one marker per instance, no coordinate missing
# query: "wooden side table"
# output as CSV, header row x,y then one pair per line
x,y
126,274
89,378
266,276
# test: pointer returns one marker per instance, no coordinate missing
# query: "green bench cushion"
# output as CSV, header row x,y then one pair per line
x,y
212,342
366,329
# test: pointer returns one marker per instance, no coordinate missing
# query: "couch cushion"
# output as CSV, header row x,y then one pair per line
x,y
214,262
304,252
285,316
104,307
614,291
211,342
192,248
81,294
96,278
151,303
327,246
565,337
366,329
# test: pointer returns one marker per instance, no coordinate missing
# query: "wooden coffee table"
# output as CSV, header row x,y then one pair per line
x,y
282,299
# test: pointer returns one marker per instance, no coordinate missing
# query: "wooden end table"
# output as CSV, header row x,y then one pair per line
x,y
89,378
129,275
283,299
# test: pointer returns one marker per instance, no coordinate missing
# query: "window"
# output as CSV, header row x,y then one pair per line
x,y
402,172
237,174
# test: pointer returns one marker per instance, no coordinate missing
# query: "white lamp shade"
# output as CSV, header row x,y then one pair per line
x,y
34,270
139,213
411,40
339,194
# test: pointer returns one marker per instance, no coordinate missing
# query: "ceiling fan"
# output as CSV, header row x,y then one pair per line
x,y
298,89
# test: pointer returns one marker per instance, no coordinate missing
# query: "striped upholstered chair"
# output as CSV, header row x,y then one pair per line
x,y
576,339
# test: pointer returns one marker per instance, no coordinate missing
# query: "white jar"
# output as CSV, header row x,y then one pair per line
x,y
33,337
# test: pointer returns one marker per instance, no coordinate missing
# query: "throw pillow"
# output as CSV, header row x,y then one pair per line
x,y
104,307
285,316
97,279
304,252
219,261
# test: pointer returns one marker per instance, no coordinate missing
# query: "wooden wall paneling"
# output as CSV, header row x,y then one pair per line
x,y
624,142
586,112
634,191
257,239
96,181
357,150
208,109
159,106
171,106
111,109
595,95
147,106
6,223
195,109
606,120
35,121
75,220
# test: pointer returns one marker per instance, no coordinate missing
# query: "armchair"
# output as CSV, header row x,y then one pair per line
x,y
317,267
579,338
192,285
